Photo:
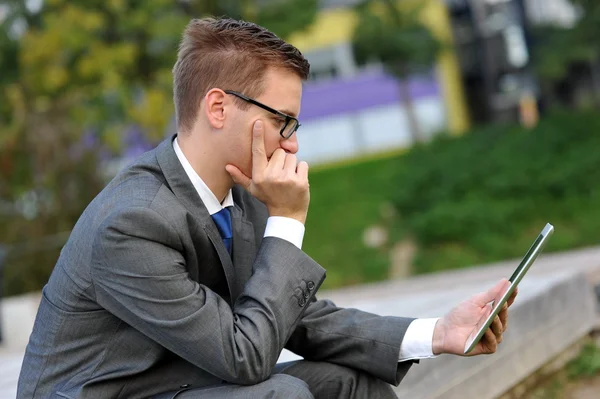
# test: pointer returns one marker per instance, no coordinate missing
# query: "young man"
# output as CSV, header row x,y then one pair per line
x,y
185,276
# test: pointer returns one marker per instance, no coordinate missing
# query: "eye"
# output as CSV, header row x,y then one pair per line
x,y
279,121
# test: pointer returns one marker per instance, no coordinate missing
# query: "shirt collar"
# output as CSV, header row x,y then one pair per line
x,y
208,198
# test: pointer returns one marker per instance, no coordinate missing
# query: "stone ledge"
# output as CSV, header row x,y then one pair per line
x,y
547,371
555,308
542,326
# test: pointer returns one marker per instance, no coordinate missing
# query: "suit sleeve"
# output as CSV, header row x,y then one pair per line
x,y
139,274
352,338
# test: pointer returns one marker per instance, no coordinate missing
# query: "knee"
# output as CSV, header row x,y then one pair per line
x,y
287,387
351,383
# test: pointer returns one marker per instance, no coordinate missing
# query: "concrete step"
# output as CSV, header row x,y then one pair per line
x,y
556,306
551,314
10,366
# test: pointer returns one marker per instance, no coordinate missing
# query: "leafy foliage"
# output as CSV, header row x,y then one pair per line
x,y
286,17
393,37
465,201
587,364
396,38
345,200
557,49
81,83
576,379
481,197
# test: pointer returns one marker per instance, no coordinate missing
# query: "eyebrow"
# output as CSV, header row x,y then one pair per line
x,y
288,112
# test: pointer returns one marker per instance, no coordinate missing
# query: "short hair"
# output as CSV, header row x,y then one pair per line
x,y
228,54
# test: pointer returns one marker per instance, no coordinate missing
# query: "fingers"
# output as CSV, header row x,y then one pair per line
x,y
277,161
237,176
503,315
302,170
259,157
492,294
276,179
497,328
489,342
290,163
512,297
495,334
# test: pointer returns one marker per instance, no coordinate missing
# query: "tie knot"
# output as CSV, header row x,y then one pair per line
x,y
223,221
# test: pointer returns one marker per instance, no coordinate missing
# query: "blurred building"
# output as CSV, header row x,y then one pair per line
x,y
493,45
349,111
560,12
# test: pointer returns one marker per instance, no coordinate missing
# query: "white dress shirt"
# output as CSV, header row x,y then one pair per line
x,y
417,342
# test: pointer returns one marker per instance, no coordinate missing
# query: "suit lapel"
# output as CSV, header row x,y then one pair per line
x,y
215,237
184,190
243,249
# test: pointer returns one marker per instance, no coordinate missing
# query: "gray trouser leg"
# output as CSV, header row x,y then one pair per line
x,y
330,381
278,386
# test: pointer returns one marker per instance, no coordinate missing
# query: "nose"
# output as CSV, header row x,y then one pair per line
x,y
290,145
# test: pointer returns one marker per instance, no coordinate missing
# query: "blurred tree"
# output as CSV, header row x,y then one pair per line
x,y
556,49
80,81
283,17
588,31
396,38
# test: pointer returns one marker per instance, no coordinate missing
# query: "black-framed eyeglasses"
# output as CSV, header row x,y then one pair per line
x,y
289,124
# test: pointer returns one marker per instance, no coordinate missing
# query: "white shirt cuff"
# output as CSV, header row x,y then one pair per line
x,y
287,229
418,340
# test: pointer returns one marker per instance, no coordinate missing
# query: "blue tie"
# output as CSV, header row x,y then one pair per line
x,y
223,221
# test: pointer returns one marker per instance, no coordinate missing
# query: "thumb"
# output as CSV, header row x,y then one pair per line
x,y
238,176
493,293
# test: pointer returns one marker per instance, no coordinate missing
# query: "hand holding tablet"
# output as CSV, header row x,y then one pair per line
x,y
477,325
514,280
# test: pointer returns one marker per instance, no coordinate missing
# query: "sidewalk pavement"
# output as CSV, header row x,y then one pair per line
x,y
555,307
10,365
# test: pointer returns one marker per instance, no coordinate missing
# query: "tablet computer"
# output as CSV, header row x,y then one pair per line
x,y
515,279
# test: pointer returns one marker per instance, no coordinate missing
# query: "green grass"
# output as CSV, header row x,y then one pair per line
x,y
587,364
345,200
465,201
584,369
555,389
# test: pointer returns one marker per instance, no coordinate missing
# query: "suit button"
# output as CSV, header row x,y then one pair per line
x,y
306,295
184,386
301,302
310,286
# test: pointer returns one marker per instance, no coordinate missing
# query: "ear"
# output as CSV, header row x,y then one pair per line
x,y
215,107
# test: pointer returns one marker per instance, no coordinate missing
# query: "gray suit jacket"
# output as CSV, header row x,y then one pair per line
x,y
145,298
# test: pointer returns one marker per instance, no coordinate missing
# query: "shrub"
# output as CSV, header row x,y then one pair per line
x,y
484,195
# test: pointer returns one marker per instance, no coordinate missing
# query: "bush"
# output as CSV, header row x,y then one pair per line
x,y
345,200
483,197
587,364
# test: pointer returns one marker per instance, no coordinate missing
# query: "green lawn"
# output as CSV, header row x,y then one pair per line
x,y
464,201
577,379
345,200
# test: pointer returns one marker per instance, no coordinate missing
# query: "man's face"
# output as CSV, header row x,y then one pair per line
x,y
283,92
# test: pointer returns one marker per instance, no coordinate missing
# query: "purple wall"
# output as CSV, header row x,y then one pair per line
x,y
370,89
332,97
